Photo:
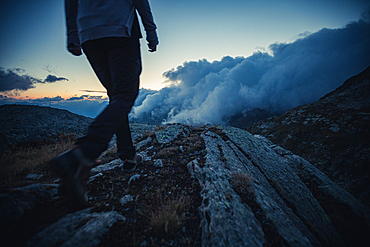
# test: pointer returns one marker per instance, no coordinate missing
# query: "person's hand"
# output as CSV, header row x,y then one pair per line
x,y
152,48
76,50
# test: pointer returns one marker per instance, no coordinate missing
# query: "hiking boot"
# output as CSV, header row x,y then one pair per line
x,y
130,165
74,169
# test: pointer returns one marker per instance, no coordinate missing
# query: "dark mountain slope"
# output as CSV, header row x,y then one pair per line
x,y
332,133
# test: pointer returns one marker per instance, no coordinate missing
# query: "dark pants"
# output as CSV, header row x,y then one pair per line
x,y
117,63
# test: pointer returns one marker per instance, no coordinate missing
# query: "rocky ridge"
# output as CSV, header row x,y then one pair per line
x,y
227,186
332,133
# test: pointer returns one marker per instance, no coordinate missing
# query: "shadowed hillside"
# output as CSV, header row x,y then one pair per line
x,y
332,133
28,123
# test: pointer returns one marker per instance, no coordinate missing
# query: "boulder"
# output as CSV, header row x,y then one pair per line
x,y
16,201
82,228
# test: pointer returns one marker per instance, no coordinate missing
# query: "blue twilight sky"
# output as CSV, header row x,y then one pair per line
x,y
33,37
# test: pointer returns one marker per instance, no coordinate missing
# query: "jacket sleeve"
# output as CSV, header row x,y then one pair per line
x,y
145,13
71,8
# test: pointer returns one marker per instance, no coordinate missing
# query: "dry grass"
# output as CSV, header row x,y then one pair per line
x,y
166,213
243,183
108,155
151,134
17,163
167,152
145,135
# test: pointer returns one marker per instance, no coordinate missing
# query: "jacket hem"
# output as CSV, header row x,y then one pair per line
x,y
103,32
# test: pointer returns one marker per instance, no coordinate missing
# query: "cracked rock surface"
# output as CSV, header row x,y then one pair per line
x,y
198,186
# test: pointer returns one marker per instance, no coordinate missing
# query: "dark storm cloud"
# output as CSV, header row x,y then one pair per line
x,y
11,80
14,79
53,78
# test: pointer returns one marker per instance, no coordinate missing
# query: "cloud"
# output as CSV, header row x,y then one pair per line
x,y
15,79
93,91
11,80
48,99
97,97
53,78
49,68
78,98
86,105
291,74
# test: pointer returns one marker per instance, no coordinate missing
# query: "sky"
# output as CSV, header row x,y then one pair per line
x,y
33,53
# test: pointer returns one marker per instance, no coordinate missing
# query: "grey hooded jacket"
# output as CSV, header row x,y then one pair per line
x,y
94,19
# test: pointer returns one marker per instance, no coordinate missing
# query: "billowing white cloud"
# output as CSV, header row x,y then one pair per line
x,y
202,92
290,75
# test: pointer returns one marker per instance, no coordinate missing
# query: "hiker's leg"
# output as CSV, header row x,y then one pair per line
x,y
124,65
